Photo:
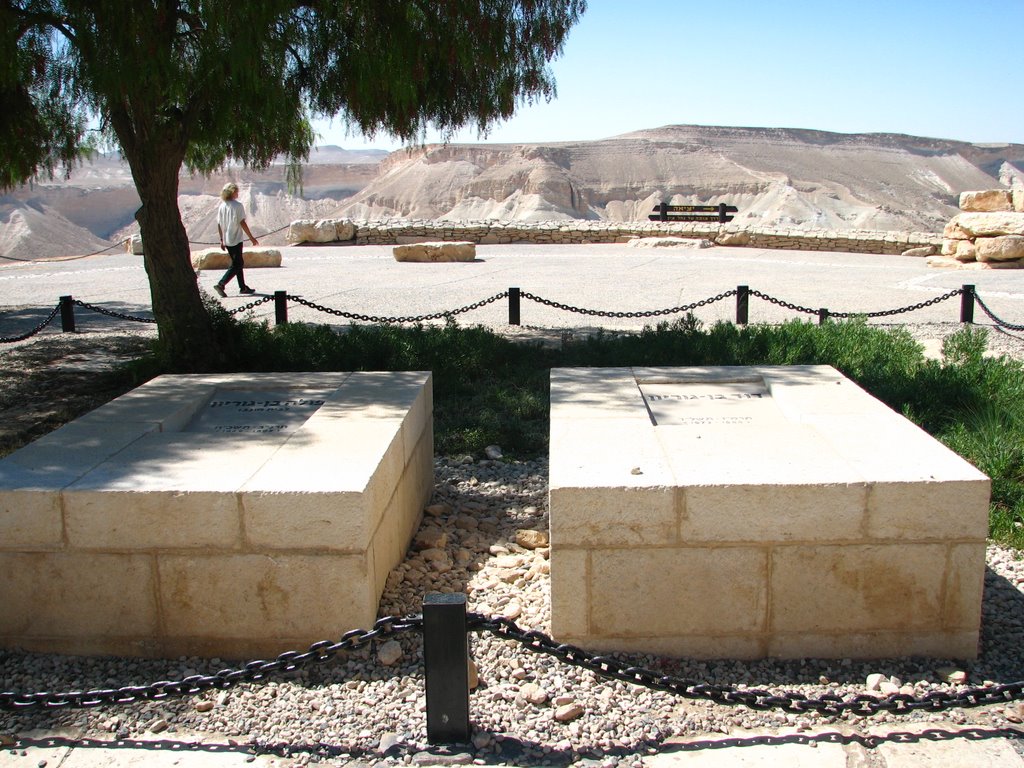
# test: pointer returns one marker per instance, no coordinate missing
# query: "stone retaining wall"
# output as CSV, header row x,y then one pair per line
x,y
396,232
406,231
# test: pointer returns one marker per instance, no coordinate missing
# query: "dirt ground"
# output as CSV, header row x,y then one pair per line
x,y
53,378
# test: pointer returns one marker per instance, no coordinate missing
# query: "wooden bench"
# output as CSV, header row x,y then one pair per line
x,y
719,213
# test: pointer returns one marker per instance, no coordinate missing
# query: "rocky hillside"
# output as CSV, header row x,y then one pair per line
x,y
775,177
96,206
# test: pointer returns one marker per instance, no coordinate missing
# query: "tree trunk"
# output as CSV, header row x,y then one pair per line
x,y
185,327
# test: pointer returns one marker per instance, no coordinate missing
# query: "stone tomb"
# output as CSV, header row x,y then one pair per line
x,y
757,512
231,515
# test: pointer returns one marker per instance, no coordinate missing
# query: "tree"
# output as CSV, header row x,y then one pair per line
x,y
200,83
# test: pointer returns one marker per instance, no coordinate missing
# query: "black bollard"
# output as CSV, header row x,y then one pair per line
x,y
281,307
742,304
967,304
446,668
67,314
513,306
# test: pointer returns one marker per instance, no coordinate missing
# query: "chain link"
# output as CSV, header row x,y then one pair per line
x,y
251,305
537,642
34,331
650,313
843,315
998,321
254,671
828,704
111,313
393,320
259,237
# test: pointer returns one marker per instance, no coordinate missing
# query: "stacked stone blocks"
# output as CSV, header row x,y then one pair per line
x,y
127,532
988,234
757,512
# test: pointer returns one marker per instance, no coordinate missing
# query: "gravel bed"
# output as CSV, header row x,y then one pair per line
x,y
484,533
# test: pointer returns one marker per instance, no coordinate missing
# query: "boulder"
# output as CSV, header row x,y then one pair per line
x,y
669,242
215,258
986,200
436,252
965,251
949,247
733,238
953,230
344,230
921,252
990,224
1018,200
313,231
133,245
1005,248
943,262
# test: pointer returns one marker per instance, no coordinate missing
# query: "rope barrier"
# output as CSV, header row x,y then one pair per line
x,y
119,244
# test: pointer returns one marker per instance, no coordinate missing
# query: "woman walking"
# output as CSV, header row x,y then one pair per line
x,y
230,226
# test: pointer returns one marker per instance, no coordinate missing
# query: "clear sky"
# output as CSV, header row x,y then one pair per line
x,y
934,68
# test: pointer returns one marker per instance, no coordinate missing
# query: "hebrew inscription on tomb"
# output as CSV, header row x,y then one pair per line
x,y
674,403
256,413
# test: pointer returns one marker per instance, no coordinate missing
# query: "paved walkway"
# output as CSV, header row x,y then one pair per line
x,y
367,281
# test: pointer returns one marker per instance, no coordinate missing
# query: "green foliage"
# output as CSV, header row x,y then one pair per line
x,y
491,390
224,80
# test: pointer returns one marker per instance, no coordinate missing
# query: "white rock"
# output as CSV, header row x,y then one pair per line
x,y
389,653
733,238
991,224
133,245
493,452
965,251
530,539
312,231
986,200
215,258
875,681
921,252
1006,248
435,252
568,713
533,693
669,242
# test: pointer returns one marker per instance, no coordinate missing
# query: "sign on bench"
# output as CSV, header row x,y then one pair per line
x,y
719,213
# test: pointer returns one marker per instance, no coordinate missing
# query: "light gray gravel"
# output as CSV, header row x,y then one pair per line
x,y
358,709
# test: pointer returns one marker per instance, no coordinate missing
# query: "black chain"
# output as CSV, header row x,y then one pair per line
x,y
998,321
111,313
829,704
882,313
651,313
392,320
254,671
538,642
251,305
34,331
265,234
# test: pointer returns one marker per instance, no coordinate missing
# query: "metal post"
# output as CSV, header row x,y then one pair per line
x,y
446,668
513,306
721,213
822,316
281,307
742,304
967,304
663,210
67,314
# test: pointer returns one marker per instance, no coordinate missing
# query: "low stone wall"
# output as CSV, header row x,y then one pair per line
x,y
574,232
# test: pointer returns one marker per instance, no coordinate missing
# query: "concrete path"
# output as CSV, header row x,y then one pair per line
x,y
367,281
